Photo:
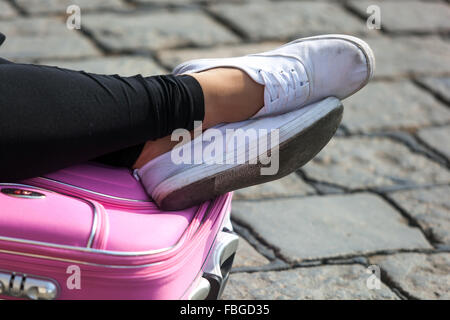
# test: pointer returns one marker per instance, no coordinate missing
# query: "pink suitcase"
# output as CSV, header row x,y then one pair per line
x,y
91,232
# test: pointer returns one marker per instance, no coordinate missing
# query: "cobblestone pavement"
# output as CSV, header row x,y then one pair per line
x,y
378,194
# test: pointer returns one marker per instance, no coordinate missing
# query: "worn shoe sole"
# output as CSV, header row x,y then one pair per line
x,y
305,138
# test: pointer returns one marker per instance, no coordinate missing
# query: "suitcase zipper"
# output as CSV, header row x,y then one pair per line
x,y
109,200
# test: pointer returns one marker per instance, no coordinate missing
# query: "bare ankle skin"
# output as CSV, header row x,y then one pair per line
x,y
230,96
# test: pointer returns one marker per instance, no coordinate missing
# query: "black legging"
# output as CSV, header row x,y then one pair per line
x,y
51,118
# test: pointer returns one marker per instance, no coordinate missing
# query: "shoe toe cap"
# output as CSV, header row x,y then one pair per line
x,y
349,67
337,65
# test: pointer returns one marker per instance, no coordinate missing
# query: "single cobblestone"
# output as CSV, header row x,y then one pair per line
x,y
437,138
384,106
31,38
247,256
6,11
171,58
260,20
291,185
324,282
156,30
413,16
430,208
422,276
363,162
403,56
60,6
123,65
440,86
328,226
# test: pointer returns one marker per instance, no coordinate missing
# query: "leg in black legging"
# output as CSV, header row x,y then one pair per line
x,y
51,118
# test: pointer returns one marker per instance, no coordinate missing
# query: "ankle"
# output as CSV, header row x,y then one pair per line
x,y
212,103
230,95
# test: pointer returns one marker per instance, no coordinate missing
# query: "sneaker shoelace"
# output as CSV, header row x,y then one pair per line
x,y
282,87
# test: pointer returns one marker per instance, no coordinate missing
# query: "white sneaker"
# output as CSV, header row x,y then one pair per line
x,y
302,71
302,133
